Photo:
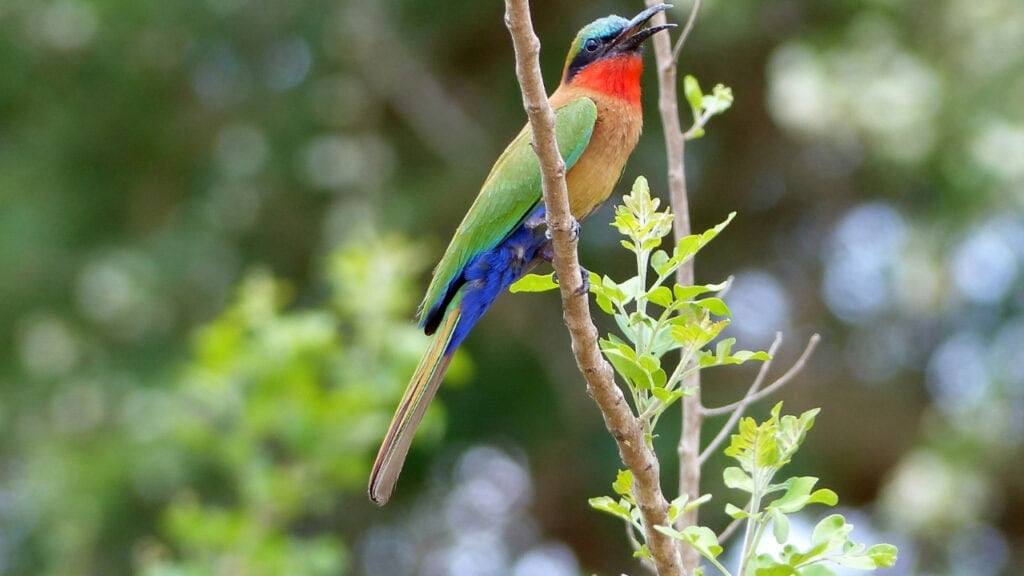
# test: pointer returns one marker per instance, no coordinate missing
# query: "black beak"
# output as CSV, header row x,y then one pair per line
x,y
634,35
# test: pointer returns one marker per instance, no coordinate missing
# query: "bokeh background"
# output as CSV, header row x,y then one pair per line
x,y
217,217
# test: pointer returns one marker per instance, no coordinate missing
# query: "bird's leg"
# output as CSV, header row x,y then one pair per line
x,y
547,253
537,219
574,229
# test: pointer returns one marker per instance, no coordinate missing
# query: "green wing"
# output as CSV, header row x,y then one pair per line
x,y
509,194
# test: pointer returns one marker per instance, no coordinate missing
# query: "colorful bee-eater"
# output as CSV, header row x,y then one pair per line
x,y
597,124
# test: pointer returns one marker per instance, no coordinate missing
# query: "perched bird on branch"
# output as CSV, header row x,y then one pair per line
x,y
597,124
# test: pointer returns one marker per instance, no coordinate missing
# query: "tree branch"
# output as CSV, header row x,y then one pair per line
x,y
668,106
686,31
755,393
618,416
781,381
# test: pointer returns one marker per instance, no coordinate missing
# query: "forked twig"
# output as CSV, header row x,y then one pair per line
x,y
755,392
686,31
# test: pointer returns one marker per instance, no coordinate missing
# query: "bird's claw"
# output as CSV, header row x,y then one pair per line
x,y
574,230
584,286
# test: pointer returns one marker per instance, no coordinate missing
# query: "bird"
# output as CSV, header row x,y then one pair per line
x,y
598,120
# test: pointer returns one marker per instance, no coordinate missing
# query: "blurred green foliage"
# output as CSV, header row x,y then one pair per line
x,y
153,154
243,463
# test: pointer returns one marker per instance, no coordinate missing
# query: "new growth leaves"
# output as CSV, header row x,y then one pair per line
x,y
761,450
654,317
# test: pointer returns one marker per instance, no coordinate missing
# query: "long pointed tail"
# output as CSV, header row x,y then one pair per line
x,y
421,389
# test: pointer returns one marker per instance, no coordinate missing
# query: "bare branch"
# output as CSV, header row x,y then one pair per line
x,y
693,417
755,393
730,530
618,416
781,381
754,387
686,31
635,545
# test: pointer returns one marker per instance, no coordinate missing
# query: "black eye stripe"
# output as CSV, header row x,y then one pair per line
x,y
590,52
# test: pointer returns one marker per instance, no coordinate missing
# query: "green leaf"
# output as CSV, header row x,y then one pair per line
x,y
792,430
682,504
691,88
824,496
774,569
780,526
816,570
690,292
832,531
884,555
661,296
606,504
623,484
702,538
666,397
736,512
603,302
736,478
686,247
659,378
534,283
714,305
798,494
608,288
741,356
755,445
694,504
718,101
660,262
630,288
624,360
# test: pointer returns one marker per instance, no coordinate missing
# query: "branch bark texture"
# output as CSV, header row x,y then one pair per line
x,y
693,415
618,416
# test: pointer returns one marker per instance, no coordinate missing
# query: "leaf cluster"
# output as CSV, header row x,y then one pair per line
x,y
761,450
704,106
656,316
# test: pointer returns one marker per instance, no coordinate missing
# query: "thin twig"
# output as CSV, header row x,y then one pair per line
x,y
618,416
795,369
636,546
730,530
693,418
686,31
727,428
754,393
762,373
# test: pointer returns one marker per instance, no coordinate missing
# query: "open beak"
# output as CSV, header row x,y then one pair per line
x,y
633,36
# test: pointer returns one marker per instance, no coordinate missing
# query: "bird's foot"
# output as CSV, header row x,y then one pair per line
x,y
584,281
574,229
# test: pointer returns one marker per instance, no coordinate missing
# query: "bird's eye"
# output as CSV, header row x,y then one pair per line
x,y
592,45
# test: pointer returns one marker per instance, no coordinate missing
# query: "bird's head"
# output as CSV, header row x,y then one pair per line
x,y
609,48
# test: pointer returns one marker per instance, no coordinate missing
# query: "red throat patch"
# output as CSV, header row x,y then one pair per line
x,y
618,77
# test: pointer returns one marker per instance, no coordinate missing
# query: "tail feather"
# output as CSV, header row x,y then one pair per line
x,y
421,389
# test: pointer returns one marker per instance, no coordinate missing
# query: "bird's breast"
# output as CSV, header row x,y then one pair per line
x,y
593,177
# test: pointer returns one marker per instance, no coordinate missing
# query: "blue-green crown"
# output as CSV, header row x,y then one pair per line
x,y
602,28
